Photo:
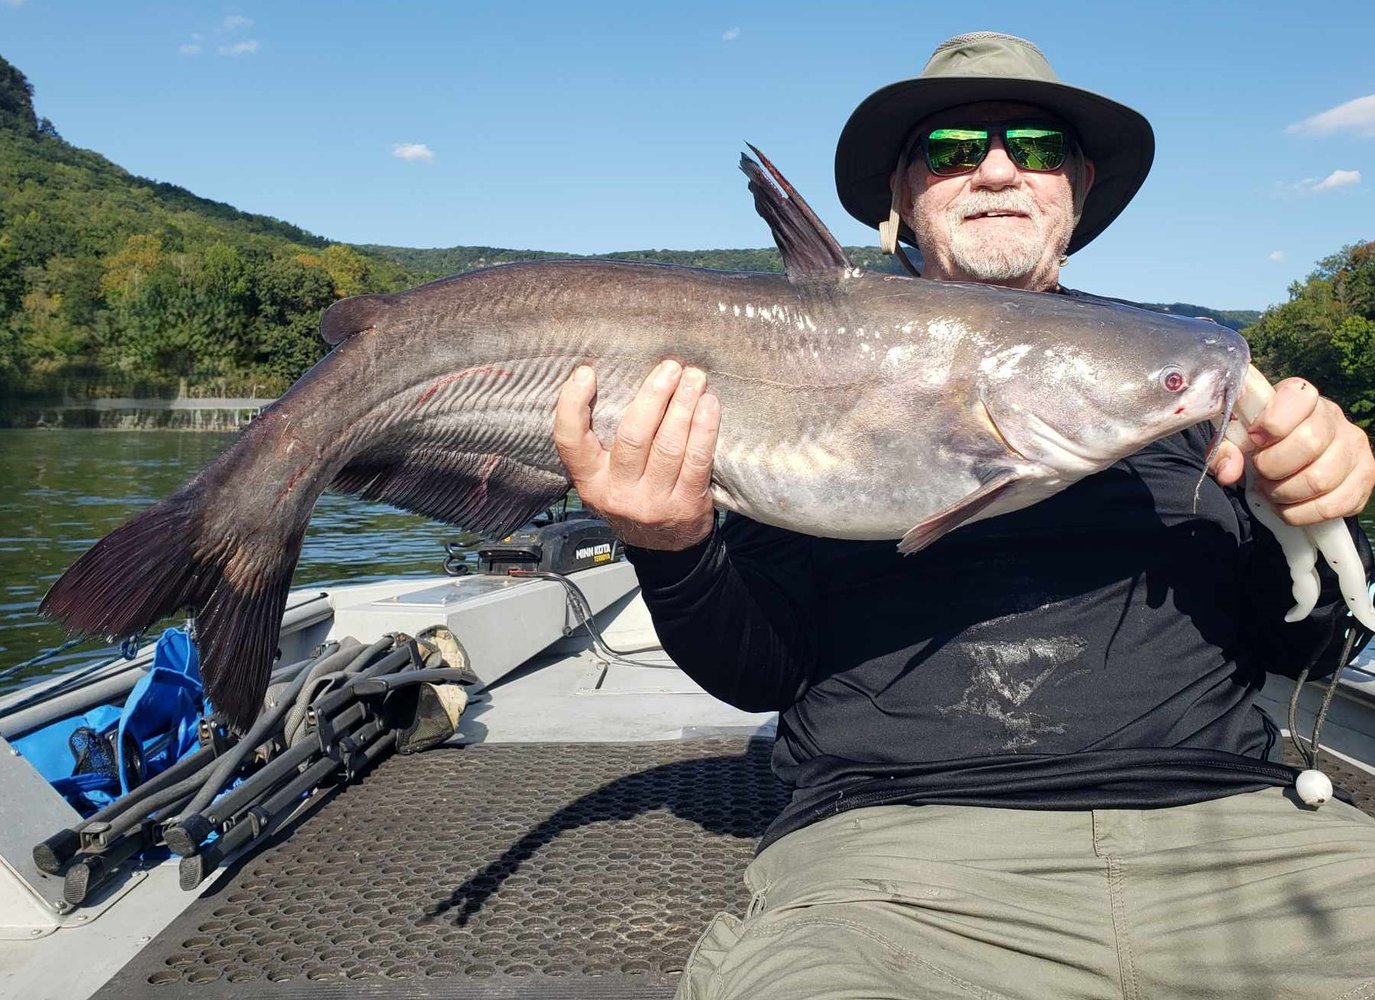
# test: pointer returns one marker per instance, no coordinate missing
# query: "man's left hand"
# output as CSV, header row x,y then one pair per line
x,y
1311,463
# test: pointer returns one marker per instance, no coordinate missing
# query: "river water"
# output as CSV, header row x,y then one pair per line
x,y
63,490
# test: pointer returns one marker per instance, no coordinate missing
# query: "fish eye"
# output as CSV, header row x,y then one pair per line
x,y
1172,379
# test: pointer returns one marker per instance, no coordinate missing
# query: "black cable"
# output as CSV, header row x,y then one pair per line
x,y
587,617
582,609
1309,754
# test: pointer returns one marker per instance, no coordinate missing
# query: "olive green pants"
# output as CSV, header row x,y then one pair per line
x,y
1249,896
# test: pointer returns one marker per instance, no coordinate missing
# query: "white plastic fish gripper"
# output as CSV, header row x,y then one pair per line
x,y
1301,547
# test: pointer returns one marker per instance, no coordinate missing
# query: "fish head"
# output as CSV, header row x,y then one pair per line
x,y
1078,401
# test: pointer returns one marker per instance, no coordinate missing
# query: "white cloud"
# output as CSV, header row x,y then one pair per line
x,y
1315,185
1278,256
413,151
230,35
189,49
12,3
1338,179
1356,116
730,35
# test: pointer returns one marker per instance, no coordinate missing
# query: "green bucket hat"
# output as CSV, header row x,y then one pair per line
x,y
990,66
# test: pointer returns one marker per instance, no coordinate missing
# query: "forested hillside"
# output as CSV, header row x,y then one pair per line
x,y
111,283
440,261
1237,319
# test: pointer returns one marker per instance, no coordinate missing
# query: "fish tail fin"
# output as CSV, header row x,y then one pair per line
x,y
237,631
157,564
133,576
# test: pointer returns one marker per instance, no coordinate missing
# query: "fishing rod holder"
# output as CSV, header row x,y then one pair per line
x,y
349,728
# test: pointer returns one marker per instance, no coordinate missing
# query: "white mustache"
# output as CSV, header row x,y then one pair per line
x,y
1004,201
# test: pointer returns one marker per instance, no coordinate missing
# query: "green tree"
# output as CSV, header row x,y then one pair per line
x,y
11,275
1354,341
347,269
1324,331
291,295
16,100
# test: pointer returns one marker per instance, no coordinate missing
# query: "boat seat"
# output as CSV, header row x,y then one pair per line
x,y
492,870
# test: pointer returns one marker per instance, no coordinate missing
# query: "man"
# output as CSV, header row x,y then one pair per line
x,y
1025,761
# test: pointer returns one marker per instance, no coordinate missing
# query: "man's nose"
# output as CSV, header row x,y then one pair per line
x,y
997,169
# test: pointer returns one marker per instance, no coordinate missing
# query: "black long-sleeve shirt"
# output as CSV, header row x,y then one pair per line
x,y
1098,649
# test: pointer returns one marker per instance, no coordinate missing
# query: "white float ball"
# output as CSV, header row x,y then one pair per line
x,y
1313,787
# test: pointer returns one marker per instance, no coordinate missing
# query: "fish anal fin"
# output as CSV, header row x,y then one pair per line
x,y
924,532
488,493
353,315
808,248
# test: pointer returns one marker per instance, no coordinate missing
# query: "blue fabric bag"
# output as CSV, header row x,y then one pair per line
x,y
161,712
156,727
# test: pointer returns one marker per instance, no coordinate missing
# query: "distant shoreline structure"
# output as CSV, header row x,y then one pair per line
x,y
186,413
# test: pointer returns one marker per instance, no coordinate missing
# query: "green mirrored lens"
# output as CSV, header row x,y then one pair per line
x,y
1031,147
955,150
1036,148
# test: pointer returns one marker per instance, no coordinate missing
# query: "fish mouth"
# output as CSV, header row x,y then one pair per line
x,y
1225,396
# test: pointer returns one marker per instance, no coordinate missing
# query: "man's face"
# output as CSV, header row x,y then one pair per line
x,y
998,223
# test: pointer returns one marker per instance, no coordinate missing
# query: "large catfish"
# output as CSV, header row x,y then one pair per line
x,y
853,405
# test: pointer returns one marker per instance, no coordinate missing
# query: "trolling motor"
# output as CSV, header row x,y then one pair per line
x,y
573,542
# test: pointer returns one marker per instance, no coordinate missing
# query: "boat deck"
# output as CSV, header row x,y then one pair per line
x,y
490,870
573,840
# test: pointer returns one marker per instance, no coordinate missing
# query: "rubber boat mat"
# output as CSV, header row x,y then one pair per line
x,y
1361,784
493,870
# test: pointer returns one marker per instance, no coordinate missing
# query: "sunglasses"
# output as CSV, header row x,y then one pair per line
x,y
950,151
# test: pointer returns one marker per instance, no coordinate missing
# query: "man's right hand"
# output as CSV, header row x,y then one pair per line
x,y
653,485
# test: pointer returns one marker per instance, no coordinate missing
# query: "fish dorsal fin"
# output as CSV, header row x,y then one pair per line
x,y
353,315
808,248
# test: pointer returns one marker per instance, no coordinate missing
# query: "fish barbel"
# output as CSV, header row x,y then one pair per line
x,y
853,405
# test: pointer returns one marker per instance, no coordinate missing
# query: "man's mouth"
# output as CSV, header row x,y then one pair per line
x,y
996,215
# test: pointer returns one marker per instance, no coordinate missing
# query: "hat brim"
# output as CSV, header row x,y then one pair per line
x,y
1117,139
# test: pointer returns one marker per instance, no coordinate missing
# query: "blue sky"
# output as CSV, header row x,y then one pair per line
x,y
593,127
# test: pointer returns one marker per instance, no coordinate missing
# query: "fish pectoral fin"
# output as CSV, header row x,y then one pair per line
x,y
808,248
923,533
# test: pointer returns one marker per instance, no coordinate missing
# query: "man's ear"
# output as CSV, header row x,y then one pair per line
x,y
1081,190
894,183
